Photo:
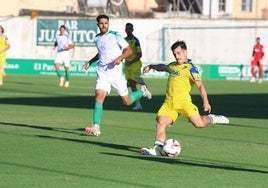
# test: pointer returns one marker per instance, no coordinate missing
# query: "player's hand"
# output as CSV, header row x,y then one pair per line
x,y
86,66
146,69
207,107
117,61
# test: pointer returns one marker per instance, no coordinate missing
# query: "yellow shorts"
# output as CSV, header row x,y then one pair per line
x,y
133,72
188,109
2,60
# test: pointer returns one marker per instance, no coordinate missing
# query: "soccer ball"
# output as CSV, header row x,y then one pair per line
x,y
172,147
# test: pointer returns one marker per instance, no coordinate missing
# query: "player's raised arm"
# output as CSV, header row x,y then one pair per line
x,y
158,67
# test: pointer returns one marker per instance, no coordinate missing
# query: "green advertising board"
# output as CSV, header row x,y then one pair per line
x,y
46,67
81,31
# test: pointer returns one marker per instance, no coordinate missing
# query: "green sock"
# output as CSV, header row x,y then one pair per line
x,y
137,101
58,73
97,114
67,76
136,95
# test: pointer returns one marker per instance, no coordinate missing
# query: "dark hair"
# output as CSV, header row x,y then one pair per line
x,y
179,43
129,24
63,26
102,16
2,29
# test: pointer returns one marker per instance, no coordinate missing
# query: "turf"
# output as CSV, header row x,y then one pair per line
x,y
43,143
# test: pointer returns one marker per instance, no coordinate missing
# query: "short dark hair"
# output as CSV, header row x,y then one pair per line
x,y
179,43
2,29
102,16
129,24
63,26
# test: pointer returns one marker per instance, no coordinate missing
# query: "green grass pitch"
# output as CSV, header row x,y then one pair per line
x,y
43,144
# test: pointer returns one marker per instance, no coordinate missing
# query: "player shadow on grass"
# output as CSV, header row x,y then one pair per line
x,y
102,144
230,105
71,131
133,149
184,162
162,159
45,128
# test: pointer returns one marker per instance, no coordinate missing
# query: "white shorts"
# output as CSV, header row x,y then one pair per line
x,y
63,58
118,83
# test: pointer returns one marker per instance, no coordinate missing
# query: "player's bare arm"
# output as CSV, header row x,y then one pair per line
x,y
126,52
137,58
158,67
92,60
203,94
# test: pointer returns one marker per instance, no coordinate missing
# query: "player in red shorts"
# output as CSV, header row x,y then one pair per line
x,y
257,54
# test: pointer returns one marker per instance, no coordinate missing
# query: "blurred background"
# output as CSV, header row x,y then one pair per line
x,y
220,34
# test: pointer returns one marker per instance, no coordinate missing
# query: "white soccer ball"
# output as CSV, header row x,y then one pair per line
x,y
172,147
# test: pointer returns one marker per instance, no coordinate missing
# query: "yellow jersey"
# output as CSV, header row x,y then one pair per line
x,y
134,44
3,42
180,81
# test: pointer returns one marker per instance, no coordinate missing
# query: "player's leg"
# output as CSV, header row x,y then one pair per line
x,y
191,112
202,121
102,88
120,85
253,71
97,113
1,75
57,69
133,86
166,116
2,64
162,123
134,72
57,64
100,96
260,66
67,76
135,96
58,72
141,81
199,121
66,61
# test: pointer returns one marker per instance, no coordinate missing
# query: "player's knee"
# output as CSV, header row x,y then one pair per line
x,y
162,123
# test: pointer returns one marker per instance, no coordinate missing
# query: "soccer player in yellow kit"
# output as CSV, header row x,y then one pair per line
x,y
4,46
133,64
182,76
